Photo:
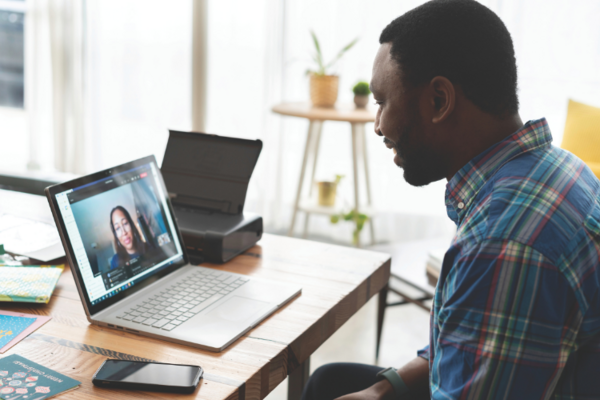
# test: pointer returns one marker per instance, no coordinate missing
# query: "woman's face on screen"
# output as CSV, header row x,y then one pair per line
x,y
123,230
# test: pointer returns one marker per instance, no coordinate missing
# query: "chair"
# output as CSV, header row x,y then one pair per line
x,y
582,134
408,277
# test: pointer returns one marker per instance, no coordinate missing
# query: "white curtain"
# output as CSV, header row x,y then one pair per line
x,y
105,80
258,55
54,82
138,80
199,64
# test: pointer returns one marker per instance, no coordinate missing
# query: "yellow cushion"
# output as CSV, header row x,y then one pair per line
x,y
582,134
595,167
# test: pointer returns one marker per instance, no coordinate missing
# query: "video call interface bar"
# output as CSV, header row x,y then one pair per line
x,y
104,185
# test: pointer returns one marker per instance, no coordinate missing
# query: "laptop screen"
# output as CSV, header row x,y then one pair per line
x,y
120,230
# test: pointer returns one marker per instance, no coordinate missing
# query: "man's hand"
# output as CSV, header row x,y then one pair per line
x,y
415,375
382,390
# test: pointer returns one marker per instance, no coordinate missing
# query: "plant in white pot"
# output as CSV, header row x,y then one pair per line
x,y
323,86
361,94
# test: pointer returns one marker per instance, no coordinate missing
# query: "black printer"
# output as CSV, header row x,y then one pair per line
x,y
207,179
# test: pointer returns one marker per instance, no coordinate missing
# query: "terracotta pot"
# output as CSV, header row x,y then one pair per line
x,y
323,90
361,101
327,191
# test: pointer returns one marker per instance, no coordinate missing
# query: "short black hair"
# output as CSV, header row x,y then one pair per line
x,y
463,41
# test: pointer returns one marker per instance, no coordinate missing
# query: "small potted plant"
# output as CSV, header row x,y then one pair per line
x,y
328,191
324,86
361,94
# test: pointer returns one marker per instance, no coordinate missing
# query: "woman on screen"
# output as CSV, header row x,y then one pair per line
x,y
128,242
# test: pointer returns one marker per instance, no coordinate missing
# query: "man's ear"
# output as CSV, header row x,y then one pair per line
x,y
443,98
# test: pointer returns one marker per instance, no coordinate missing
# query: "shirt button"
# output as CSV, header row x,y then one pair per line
x,y
461,205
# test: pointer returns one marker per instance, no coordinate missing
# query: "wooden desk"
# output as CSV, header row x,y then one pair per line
x,y
358,118
336,281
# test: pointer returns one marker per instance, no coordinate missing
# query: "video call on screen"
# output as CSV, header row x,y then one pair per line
x,y
122,225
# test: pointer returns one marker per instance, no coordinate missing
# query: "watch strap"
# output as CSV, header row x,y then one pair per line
x,y
395,380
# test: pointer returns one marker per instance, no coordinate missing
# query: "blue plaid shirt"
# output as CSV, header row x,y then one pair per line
x,y
516,314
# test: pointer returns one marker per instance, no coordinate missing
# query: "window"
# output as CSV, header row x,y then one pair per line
x,y
12,43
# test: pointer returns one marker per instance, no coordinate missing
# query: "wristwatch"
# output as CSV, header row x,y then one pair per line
x,y
392,376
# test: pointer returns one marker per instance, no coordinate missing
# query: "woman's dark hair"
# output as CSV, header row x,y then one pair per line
x,y
138,243
463,41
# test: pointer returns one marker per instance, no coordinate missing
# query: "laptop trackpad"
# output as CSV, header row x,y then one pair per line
x,y
238,309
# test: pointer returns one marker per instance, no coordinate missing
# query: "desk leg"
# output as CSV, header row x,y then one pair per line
x,y
307,150
298,380
381,306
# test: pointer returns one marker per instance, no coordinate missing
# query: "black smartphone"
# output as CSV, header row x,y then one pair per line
x,y
150,376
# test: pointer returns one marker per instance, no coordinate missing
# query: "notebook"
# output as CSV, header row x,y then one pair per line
x,y
28,283
11,327
34,322
23,379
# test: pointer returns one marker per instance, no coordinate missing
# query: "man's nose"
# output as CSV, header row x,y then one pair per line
x,y
376,127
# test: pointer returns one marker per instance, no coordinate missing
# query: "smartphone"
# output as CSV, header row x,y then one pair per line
x,y
150,376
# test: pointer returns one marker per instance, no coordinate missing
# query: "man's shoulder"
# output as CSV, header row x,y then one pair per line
x,y
542,199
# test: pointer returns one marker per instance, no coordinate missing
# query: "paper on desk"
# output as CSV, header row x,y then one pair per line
x,y
39,321
27,227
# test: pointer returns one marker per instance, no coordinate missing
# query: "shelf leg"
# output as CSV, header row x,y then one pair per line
x,y
306,218
318,126
307,150
355,155
367,180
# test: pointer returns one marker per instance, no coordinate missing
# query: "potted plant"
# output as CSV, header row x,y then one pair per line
x,y
361,94
359,220
323,86
328,191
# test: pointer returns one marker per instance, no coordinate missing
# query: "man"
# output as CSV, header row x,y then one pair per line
x,y
516,314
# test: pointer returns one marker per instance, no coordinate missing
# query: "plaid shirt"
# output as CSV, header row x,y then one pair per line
x,y
516,314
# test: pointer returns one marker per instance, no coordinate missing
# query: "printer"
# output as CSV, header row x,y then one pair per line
x,y
207,179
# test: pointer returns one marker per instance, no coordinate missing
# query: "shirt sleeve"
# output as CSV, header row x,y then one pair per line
x,y
424,353
506,326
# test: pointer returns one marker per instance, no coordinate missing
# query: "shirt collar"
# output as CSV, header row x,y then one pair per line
x,y
462,189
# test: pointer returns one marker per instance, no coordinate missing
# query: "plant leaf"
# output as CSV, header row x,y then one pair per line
x,y
319,55
341,53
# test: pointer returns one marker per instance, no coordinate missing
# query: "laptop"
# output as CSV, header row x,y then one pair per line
x,y
132,272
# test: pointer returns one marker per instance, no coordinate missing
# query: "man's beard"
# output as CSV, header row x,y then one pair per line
x,y
421,166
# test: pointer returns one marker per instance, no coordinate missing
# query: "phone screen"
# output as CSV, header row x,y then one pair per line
x,y
148,373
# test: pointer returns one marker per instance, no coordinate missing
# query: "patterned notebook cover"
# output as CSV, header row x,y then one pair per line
x,y
38,321
11,327
22,379
28,283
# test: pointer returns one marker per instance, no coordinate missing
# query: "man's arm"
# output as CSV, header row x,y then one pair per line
x,y
415,375
507,326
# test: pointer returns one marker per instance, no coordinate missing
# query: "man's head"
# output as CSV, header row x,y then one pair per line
x,y
443,68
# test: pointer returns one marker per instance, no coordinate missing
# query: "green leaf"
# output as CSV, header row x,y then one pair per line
x,y
335,219
319,55
341,53
355,236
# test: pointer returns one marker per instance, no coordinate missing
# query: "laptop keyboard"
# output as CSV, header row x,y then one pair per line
x,y
181,301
